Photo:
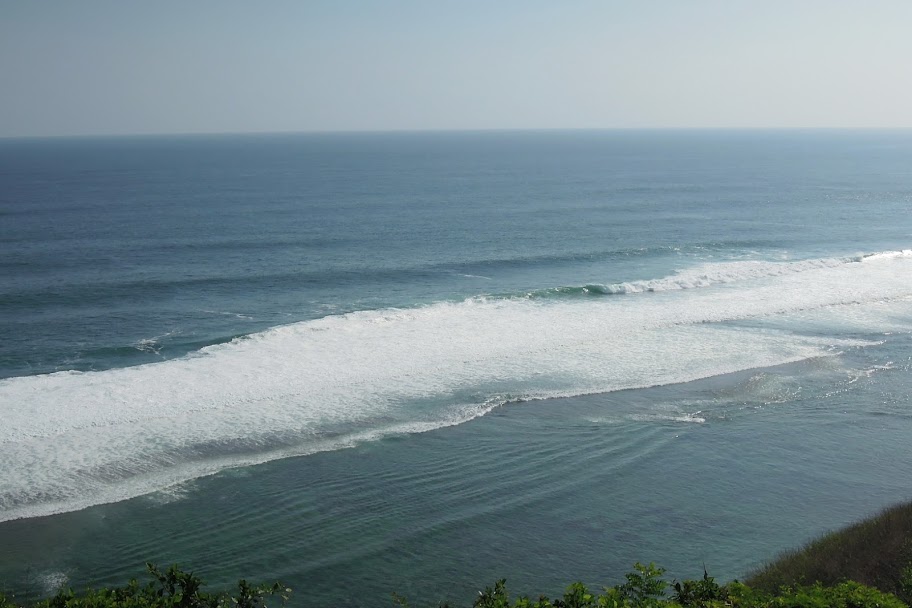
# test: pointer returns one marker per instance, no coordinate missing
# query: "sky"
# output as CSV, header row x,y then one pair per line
x,y
104,67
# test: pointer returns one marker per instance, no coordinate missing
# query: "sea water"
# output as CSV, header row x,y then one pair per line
x,y
416,363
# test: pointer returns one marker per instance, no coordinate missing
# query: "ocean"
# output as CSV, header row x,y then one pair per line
x,y
420,362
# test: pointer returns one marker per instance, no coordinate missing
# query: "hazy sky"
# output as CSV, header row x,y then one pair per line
x,y
162,66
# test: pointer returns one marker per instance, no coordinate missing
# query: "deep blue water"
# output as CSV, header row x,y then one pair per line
x,y
369,363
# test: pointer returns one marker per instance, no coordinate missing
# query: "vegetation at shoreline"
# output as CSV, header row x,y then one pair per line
x,y
643,588
867,565
172,588
876,552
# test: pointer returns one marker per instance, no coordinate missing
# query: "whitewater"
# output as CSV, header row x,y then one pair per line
x,y
73,439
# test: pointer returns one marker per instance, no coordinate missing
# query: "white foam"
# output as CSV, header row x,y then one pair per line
x,y
236,315
685,418
52,581
152,345
72,439
171,494
707,275
873,257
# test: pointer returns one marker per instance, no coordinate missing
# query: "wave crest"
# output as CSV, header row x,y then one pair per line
x,y
709,275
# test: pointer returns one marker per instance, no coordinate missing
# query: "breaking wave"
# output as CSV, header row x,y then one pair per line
x,y
708,275
74,439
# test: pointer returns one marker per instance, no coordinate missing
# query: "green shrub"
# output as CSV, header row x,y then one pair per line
x,y
172,588
644,588
843,595
698,593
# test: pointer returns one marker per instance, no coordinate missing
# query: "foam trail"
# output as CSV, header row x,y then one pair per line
x,y
73,439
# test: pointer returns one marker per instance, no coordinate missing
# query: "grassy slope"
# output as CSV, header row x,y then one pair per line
x,y
875,552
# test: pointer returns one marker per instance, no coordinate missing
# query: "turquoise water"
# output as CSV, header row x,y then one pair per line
x,y
422,362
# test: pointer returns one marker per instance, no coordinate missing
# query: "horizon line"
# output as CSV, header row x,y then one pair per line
x,y
434,130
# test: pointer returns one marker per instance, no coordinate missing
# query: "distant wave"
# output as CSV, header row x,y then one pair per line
x,y
708,275
56,290
545,259
73,439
